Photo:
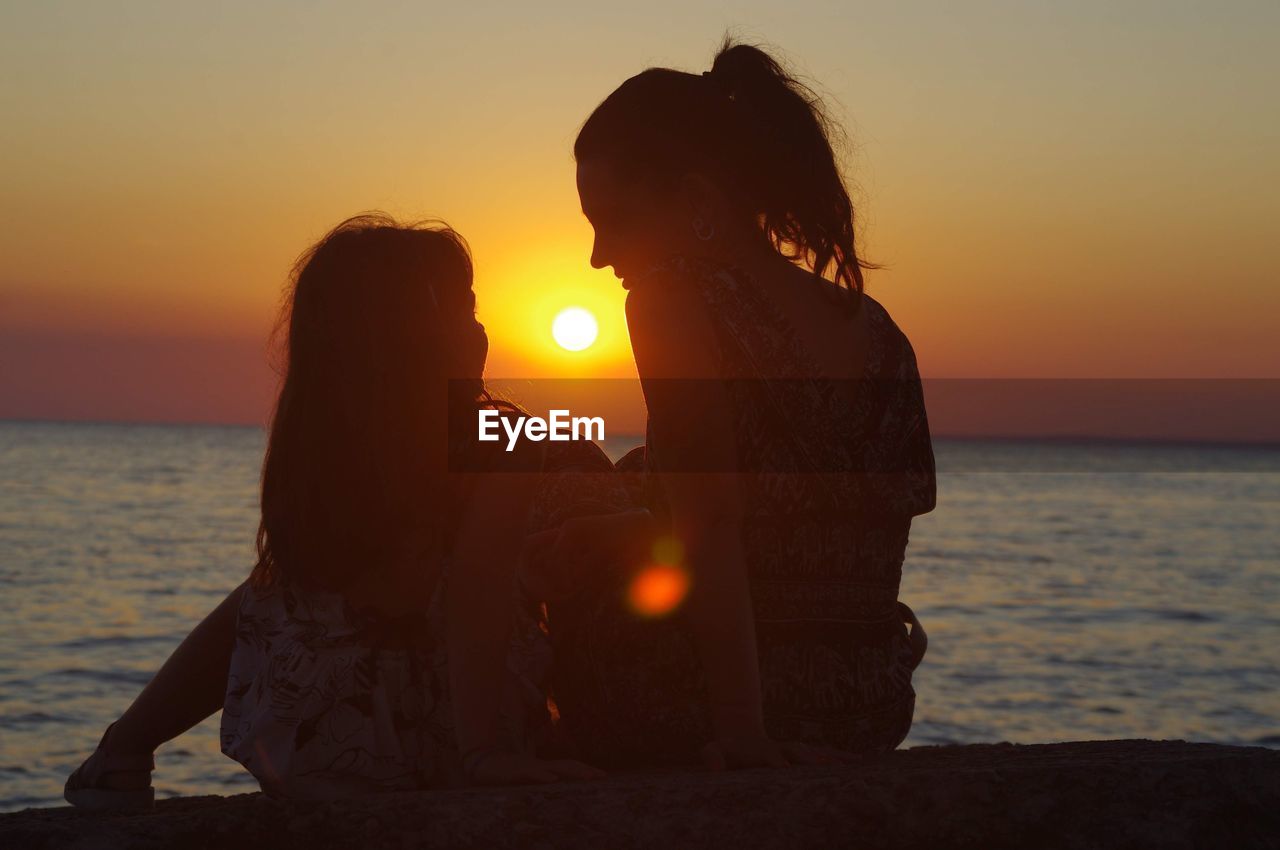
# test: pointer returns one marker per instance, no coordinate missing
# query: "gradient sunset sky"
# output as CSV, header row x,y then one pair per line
x,y
1056,189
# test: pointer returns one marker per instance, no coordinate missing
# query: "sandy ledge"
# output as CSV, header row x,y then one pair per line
x,y
1165,794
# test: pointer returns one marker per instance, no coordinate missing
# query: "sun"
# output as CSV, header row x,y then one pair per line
x,y
574,329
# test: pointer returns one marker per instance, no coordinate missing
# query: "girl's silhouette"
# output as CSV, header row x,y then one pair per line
x,y
342,665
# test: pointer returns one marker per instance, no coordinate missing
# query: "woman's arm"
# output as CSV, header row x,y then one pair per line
x,y
693,444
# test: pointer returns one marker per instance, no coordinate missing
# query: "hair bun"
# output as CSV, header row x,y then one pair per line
x,y
754,128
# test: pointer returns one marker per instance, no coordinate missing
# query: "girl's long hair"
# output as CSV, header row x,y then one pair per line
x,y
379,346
758,131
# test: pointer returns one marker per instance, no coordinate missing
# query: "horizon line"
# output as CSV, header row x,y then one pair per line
x,y
953,438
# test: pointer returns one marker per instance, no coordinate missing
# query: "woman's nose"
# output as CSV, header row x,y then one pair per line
x,y
597,256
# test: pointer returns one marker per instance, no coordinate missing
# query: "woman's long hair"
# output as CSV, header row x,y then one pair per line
x,y
756,130
380,344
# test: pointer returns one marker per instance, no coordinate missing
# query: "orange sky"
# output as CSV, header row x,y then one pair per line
x,y
1067,190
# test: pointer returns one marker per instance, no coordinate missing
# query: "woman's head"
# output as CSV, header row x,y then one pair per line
x,y
380,344
673,162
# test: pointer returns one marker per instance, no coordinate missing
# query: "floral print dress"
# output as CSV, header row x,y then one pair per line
x,y
324,701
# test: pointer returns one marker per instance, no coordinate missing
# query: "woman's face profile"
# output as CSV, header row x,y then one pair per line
x,y
635,226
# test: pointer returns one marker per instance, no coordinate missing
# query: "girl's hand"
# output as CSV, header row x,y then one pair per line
x,y
555,562
763,751
499,767
592,539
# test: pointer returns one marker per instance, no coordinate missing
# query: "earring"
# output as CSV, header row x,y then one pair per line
x,y
703,230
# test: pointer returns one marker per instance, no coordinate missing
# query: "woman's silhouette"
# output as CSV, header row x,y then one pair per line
x,y
788,446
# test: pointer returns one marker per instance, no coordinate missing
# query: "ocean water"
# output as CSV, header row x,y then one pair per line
x,y
1070,591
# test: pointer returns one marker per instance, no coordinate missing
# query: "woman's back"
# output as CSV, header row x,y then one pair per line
x,y
833,463
842,435
835,341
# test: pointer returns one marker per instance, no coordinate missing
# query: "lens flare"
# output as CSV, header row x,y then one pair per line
x,y
574,329
657,590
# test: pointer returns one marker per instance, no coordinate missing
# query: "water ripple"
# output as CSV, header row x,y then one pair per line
x,y
1059,606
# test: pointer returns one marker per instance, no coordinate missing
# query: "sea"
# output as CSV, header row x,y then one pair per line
x,y
1071,590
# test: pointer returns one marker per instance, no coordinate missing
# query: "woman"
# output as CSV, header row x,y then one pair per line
x,y
342,664
788,446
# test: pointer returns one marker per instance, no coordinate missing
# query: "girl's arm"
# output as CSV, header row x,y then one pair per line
x,y
479,602
560,561
190,685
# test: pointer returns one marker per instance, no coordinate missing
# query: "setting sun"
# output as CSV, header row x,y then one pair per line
x,y
574,329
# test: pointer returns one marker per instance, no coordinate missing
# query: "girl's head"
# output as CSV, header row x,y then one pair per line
x,y
381,343
713,163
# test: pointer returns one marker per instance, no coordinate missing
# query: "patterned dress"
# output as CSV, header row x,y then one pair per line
x,y
324,701
833,472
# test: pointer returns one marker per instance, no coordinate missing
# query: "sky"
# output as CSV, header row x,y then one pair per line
x,y
1055,190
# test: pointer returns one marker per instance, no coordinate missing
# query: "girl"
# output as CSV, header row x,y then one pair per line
x,y
372,646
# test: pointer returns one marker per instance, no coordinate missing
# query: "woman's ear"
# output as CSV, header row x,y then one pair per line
x,y
703,198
